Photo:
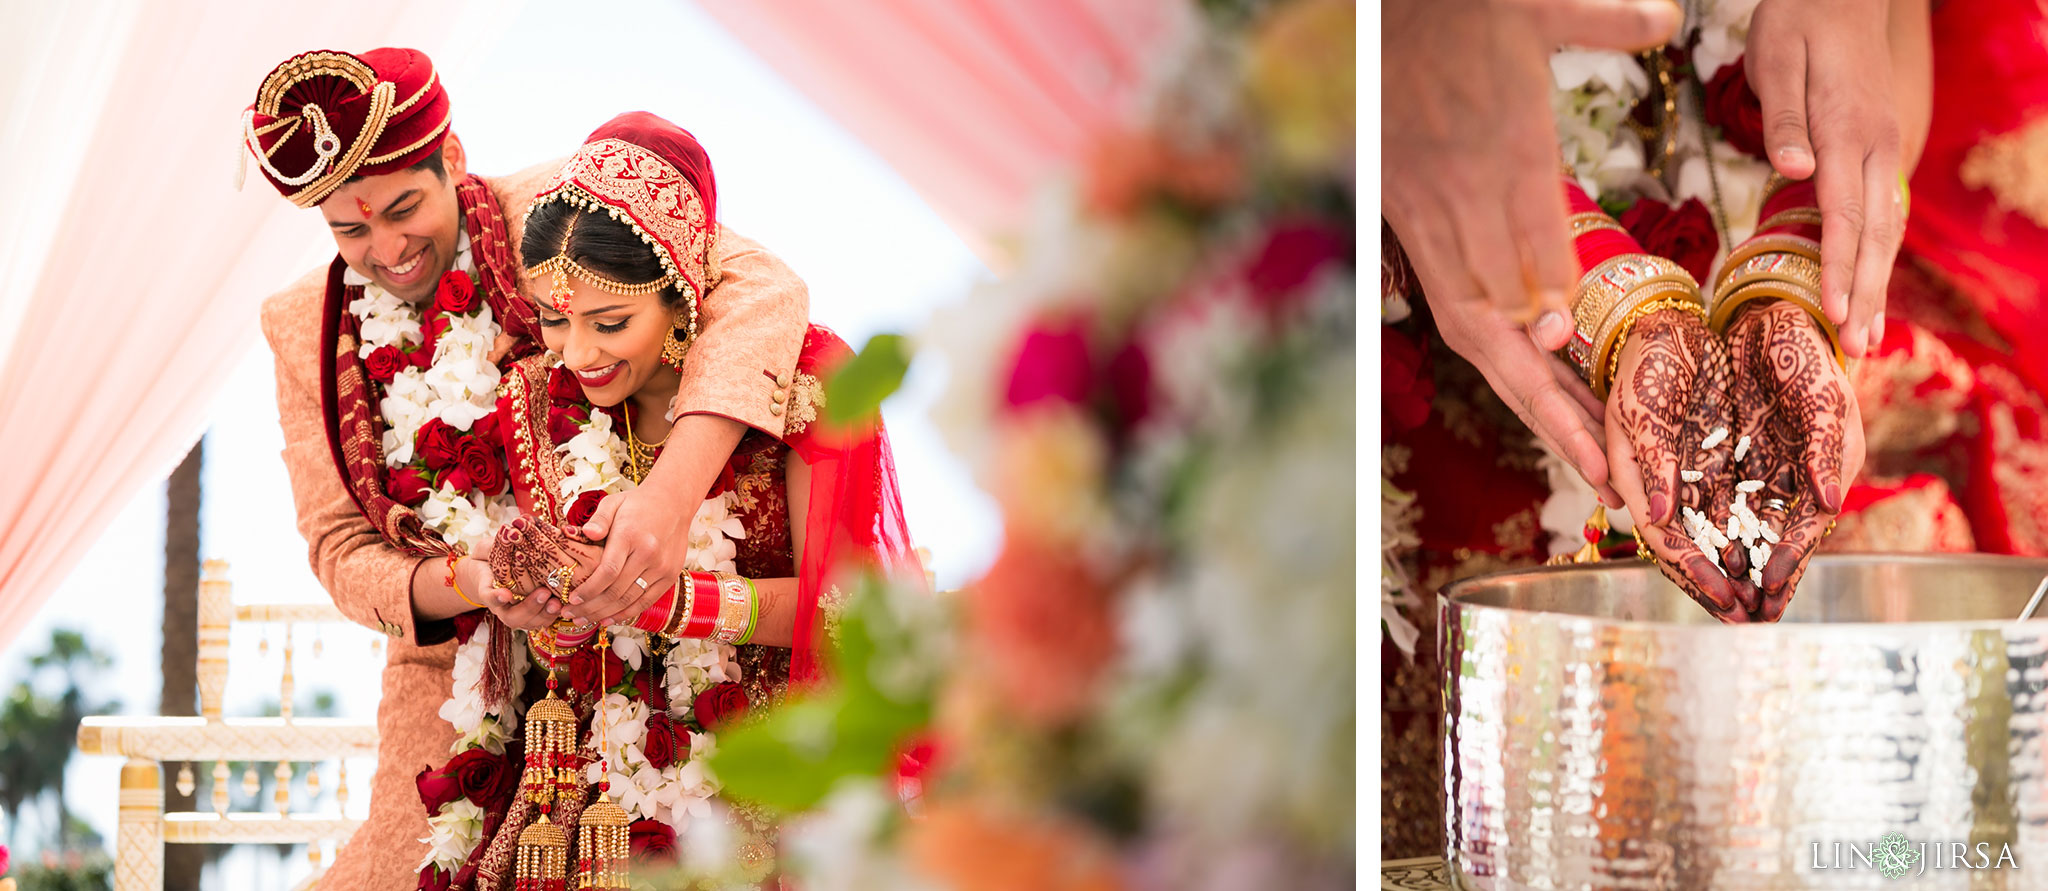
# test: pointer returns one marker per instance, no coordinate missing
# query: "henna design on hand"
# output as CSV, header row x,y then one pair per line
x,y
1794,402
1671,397
528,551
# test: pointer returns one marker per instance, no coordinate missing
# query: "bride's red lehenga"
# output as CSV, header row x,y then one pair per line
x,y
653,176
1951,399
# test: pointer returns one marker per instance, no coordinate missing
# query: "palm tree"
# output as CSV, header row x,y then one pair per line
x,y
28,724
77,662
182,495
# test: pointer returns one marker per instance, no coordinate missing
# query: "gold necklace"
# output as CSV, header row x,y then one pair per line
x,y
638,452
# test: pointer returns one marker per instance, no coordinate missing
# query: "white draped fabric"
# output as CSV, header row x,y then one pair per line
x,y
131,270
974,102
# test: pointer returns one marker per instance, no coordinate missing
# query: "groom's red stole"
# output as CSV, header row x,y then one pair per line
x,y
348,398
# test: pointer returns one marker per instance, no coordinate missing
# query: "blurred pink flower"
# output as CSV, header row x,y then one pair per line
x,y
1052,363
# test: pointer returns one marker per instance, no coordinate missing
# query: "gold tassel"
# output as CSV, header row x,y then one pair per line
x,y
604,842
543,857
550,752
1596,529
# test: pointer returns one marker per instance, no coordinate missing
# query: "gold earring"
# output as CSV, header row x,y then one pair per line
x,y
673,350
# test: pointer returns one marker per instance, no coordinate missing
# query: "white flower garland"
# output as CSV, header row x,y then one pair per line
x,y
459,387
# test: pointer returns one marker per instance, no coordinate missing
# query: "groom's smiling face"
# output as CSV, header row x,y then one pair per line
x,y
399,230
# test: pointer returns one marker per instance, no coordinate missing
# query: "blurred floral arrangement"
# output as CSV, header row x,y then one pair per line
x,y
1152,687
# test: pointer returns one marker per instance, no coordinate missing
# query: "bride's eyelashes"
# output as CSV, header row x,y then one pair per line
x,y
602,328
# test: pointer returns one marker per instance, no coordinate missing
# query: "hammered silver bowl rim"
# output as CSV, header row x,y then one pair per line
x,y
1450,597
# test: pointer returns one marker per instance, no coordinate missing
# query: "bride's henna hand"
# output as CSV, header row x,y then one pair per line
x,y
1806,437
1669,398
529,551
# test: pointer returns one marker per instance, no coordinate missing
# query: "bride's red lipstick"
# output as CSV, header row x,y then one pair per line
x,y
592,383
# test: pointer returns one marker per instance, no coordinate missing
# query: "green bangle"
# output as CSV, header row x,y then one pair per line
x,y
753,613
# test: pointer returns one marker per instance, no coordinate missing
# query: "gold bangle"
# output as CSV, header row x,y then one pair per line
x,y
1582,223
1759,245
1803,215
1775,182
1777,289
1604,294
1627,327
679,612
733,606
1794,270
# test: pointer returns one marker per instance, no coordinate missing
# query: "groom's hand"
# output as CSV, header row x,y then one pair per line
x,y
1471,148
1823,71
639,529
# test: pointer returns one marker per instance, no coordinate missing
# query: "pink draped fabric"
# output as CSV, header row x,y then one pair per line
x,y
974,102
146,293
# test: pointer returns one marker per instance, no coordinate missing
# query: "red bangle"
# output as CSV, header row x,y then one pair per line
x,y
703,618
656,616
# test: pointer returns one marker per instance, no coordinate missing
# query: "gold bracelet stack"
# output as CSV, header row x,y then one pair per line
x,y
1776,266
1611,297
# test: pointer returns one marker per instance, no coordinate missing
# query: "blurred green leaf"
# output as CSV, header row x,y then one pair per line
x,y
855,392
792,758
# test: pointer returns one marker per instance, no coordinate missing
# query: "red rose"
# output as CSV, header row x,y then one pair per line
x,y
1733,107
565,421
1293,253
1684,235
407,486
434,878
489,429
660,743
458,478
562,385
467,624
384,363
3,860
487,780
1406,388
1052,363
584,508
423,355
653,840
485,471
583,666
721,704
438,789
439,444
456,293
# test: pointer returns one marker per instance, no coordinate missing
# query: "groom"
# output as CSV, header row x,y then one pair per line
x,y
366,140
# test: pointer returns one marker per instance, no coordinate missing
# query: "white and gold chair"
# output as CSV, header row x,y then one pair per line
x,y
145,828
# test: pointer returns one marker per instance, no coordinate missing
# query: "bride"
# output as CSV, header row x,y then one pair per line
x,y
606,740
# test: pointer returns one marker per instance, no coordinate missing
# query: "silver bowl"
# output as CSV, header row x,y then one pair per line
x,y
1602,731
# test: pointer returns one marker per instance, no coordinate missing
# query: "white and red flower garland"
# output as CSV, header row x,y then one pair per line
x,y
438,382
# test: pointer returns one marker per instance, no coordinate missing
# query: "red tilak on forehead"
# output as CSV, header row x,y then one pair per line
x,y
363,206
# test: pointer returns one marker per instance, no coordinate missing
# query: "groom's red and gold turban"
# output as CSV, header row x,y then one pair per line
x,y
325,116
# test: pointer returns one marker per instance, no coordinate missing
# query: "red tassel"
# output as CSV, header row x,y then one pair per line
x,y
497,679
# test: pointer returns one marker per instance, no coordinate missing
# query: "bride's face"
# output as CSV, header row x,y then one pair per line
x,y
612,343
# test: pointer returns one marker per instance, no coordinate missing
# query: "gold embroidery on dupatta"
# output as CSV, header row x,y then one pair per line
x,y
2014,166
